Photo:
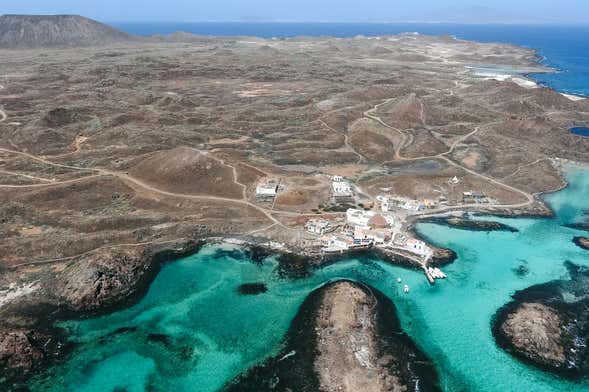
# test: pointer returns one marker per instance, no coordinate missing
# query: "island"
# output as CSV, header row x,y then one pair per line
x,y
547,325
118,153
345,337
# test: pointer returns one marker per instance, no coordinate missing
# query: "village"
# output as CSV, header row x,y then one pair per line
x,y
379,222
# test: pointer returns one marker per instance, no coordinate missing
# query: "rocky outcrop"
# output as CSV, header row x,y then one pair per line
x,y
98,282
103,279
252,288
582,242
346,337
536,332
19,350
470,224
547,325
23,351
42,31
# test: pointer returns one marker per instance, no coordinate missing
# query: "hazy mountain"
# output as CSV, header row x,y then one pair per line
x,y
34,31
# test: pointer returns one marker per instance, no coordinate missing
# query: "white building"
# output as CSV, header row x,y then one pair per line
x,y
267,189
412,205
360,218
337,243
416,246
318,226
375,236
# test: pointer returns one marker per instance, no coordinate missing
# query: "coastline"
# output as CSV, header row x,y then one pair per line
x,y
306,259
258,248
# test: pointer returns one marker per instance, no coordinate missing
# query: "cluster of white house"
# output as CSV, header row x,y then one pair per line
x,y
364,229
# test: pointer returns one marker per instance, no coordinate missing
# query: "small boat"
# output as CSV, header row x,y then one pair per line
x,y
399,280
406,288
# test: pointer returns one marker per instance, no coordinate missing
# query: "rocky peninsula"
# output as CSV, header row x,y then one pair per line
x,y
345,337
547,325
470,224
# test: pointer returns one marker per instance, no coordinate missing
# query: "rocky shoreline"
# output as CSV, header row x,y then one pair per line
x,y
547,325
107,281
345,337
98,284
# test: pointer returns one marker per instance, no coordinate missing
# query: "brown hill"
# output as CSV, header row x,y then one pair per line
x,y
38,31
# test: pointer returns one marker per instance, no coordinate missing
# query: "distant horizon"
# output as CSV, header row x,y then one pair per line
x,y
533,12
286,21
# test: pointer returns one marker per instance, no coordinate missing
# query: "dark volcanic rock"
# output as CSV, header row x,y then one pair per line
x,y
345,337
61,116
547,325
470,224
19,350
578,226
582,242
103,279
35,31
252,288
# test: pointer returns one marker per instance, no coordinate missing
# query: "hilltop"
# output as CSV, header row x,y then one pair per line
x,y
39,31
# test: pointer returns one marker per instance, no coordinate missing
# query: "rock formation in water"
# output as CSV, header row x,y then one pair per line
x,y
582,242
252,288
346,337
470,224
548,324
44,31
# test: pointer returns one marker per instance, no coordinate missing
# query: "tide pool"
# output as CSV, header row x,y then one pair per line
x,y
194,332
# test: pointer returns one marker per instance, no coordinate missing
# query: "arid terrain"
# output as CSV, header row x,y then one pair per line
x,y
114,157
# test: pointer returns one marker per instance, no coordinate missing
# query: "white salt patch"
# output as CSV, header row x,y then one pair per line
x,y
573,97
524,82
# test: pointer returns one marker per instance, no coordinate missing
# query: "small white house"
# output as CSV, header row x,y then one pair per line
x,y
267,189
318,226
356,217
412,205
416,246
336,243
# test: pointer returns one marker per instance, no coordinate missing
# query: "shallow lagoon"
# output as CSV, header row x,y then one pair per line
x,y
193,331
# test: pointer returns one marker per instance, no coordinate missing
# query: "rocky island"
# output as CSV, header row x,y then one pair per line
x,y
122,152
346,337
547,325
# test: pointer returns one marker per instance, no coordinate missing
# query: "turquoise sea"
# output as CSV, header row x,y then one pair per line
x,y
194,332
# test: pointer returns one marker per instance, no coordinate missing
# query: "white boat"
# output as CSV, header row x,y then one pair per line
x,y
406,288
399,280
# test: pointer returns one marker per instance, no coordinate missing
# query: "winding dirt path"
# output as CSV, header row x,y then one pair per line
x,y
443,156
361,157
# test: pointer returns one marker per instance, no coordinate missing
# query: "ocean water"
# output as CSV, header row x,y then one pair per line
x,y
194,332
580,131
565,48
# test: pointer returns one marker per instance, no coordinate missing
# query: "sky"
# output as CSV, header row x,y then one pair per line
x,y
460,11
